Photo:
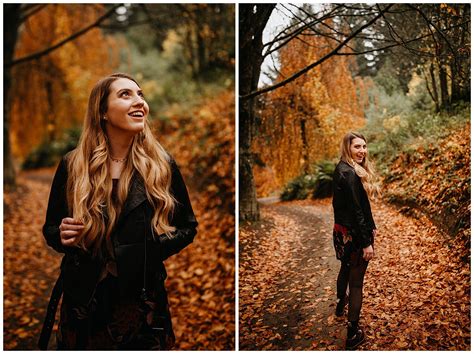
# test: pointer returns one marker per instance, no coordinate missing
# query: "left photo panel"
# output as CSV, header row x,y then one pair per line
x,y
118,175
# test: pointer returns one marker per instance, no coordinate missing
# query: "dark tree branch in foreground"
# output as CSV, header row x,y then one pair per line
x,y
46,51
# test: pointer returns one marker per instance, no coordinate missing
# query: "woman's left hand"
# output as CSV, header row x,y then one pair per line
x,y
368,253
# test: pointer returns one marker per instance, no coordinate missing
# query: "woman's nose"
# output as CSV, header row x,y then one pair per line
x,y
139,101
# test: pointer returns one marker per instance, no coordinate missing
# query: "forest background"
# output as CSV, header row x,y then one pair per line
x,y
398,73
404,83
183,57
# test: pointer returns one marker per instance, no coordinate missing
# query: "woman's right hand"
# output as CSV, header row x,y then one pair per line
x,y
368,253
69,230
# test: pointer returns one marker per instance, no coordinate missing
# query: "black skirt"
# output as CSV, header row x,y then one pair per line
x,y
108,323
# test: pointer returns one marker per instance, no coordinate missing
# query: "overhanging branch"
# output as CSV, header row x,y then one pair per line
x,y
64,41
318,62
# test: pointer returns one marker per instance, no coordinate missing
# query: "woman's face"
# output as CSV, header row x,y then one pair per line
x,y
358,150
127,109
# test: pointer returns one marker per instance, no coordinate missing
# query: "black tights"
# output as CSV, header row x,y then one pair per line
x,y
352,273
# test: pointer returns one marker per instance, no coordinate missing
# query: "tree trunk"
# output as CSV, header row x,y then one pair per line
x,y
305,145
11,18
435,88
252,21
443,86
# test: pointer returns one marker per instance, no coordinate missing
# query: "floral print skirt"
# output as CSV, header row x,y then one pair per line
x,y
342,238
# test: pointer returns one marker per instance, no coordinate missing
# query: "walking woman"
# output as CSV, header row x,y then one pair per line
x,y
354,229
118,208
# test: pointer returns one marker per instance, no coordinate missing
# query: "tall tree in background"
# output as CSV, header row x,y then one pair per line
x,y
301,123
11,21
432,39
252,22
205,32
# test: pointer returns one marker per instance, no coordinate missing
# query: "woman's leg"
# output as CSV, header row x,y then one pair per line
x,y
343,279
358,266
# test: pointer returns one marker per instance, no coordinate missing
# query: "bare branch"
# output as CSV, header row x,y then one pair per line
x,y
318,62
46,51
284,39
437,30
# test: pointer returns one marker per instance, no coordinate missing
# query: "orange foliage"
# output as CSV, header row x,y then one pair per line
x,y
265,181
50,93
303,121
202,142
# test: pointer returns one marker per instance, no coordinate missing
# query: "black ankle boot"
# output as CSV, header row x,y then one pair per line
x,y
341,304
355,335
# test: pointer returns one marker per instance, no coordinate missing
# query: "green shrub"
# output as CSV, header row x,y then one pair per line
x,y
299,188
324,174
48,153
317,184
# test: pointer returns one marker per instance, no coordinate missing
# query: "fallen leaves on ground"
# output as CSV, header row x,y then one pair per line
x,y
200,278
30,268
416,292
436,179
202,281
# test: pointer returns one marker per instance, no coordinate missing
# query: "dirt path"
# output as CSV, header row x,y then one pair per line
x,y
287,273
416,294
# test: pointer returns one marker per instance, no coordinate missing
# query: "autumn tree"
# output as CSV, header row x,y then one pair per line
x,y
17,27
253,20
302,122
56,86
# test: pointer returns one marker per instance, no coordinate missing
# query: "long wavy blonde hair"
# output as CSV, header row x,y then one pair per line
x,y
89,187
365,170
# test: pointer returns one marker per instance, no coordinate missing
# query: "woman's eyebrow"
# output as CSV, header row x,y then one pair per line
x,y
129,90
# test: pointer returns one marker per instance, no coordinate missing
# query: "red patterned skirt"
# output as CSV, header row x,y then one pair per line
x,y
342,238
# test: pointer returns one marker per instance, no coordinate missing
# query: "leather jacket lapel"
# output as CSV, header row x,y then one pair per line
x,y
136,195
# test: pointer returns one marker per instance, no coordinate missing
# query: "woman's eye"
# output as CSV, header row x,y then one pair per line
x,y
123,94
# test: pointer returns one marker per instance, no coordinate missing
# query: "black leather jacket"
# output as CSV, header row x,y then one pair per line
x,y
351,205
80,271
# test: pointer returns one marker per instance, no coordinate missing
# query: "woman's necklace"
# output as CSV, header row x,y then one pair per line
x,y
118,160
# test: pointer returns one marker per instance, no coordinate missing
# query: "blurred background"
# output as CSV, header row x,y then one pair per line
x,y
183,57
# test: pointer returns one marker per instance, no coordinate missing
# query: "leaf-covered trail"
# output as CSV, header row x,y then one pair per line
x,y
416,290
286,272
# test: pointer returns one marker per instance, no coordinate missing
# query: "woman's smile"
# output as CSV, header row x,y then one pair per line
x,y
137,114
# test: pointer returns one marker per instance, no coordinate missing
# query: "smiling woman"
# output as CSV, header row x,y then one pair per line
x,y
354,229
118,208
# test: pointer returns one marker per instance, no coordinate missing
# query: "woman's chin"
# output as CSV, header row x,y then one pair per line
x,y
137,127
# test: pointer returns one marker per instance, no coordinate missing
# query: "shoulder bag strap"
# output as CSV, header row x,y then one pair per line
x,y
48,323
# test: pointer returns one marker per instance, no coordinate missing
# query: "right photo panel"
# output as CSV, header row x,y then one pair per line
x,y
354,176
